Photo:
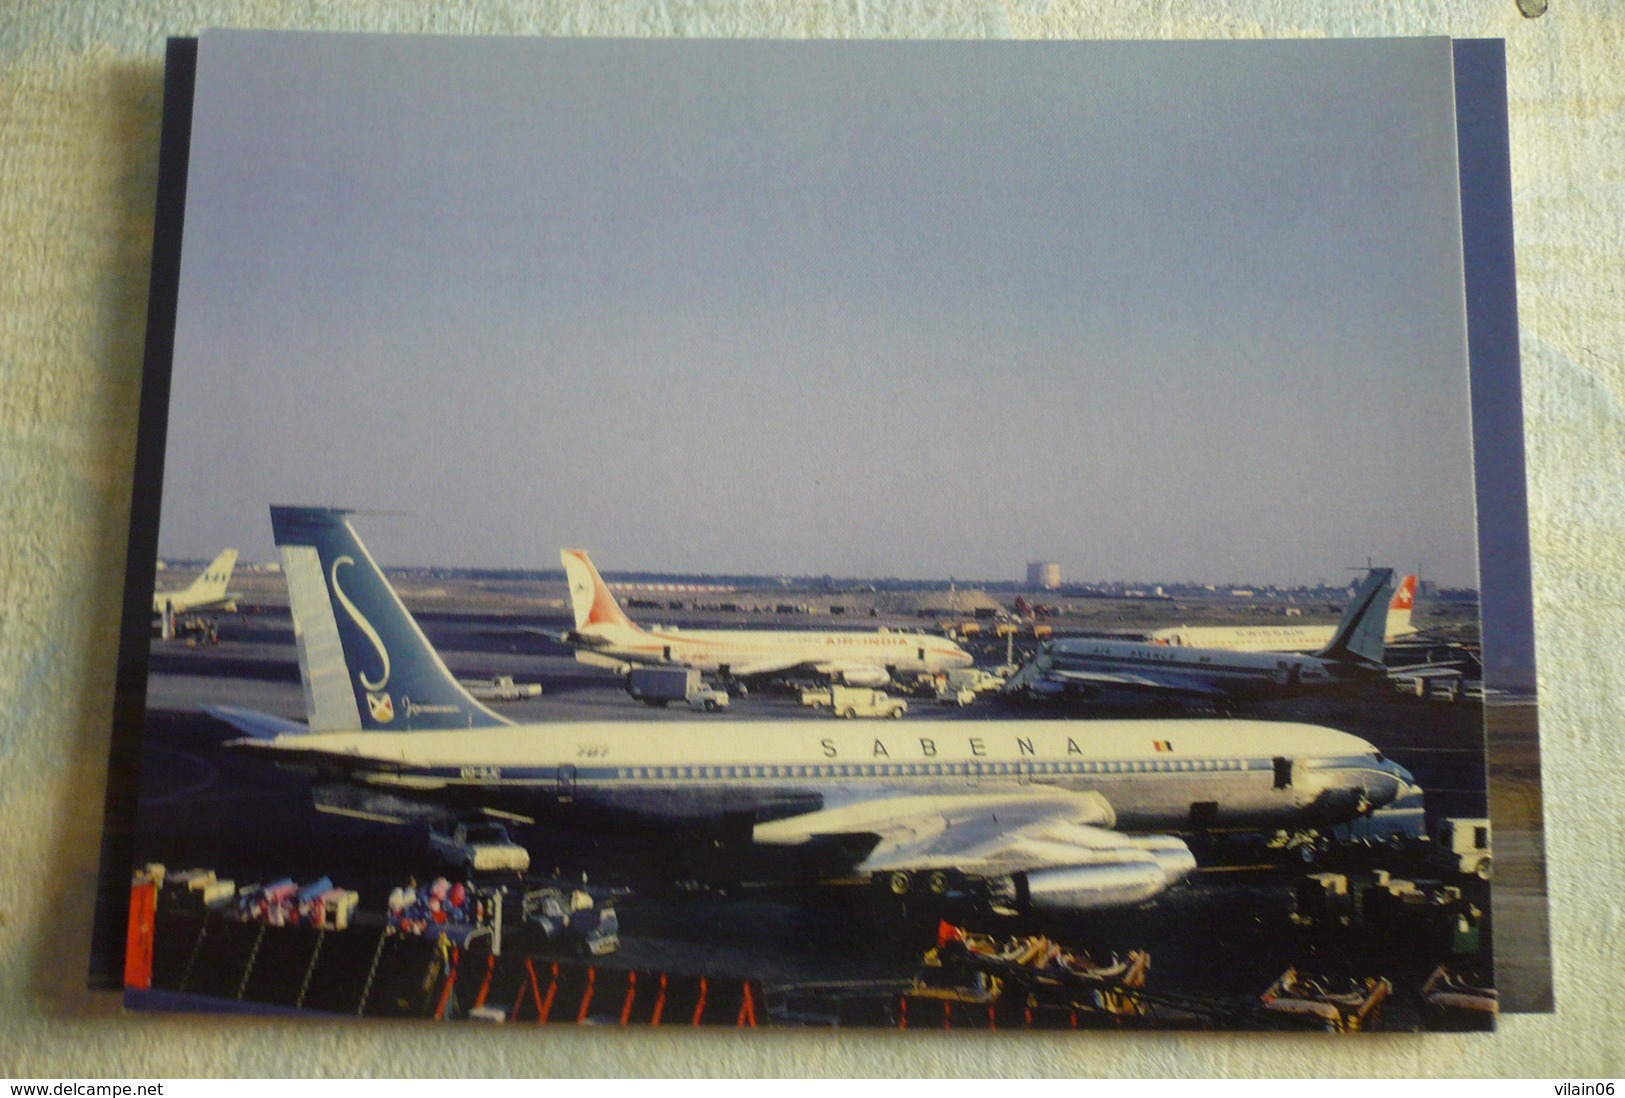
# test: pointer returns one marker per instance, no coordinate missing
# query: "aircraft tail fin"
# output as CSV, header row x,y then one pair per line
x,y
1399,611
211,585
364,662
1361,635
208,589
589,594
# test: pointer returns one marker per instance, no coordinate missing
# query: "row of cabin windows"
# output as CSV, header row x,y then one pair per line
x,y
887,770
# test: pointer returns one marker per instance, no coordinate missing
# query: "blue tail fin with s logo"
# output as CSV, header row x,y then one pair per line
x,y
364,662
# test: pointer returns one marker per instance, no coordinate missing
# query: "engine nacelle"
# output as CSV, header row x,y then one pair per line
x,y
1079,887
1118,877
865,676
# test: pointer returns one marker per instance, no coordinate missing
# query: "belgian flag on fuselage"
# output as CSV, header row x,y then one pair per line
x,y
364,662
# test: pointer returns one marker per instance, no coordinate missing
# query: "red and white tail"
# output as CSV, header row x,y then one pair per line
x,y
1399,610
589,594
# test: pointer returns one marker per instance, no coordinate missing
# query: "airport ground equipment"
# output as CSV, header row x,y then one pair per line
x,y
857,701
1337,1006
973,678
479,846
502,688
560,916
1411,915
1463,844
1457,1003
660,686
967,967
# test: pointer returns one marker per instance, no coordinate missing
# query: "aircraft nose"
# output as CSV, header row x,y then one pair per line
x,y
1403,784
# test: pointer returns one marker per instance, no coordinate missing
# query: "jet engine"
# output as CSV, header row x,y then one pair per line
x,y
864,676
1121,877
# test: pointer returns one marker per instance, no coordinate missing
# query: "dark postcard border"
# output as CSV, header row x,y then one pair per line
x,y
141,561
1506,589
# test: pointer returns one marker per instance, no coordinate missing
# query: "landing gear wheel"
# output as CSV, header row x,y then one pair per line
x,y
899,883
848,713
937,883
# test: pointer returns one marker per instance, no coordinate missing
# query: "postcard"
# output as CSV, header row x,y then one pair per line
x,y
945,534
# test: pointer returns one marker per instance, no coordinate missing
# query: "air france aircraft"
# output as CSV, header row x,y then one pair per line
x,y
1039,811
1088,666
1286,638
605,635
207,592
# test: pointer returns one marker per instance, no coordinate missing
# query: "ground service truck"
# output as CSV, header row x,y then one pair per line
x,y
662,685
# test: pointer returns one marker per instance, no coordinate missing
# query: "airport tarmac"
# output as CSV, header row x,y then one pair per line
x,y
1225,933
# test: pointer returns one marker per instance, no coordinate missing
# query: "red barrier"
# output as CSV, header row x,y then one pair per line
x,y
631,993
586,996
660,1002
485,987
139,943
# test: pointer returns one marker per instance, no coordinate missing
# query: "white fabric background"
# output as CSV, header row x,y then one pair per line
x,y
80,98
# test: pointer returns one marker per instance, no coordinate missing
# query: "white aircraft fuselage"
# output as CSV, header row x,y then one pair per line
x,y
748,651
604,635
1247,774
1087,665
1285,638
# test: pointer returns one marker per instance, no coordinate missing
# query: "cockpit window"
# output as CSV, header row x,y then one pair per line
x,y
1378,756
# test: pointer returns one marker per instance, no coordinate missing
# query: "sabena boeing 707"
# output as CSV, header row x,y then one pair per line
x,y
604,635
1048,815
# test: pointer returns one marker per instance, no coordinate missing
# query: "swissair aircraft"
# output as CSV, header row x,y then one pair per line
x,y
604,635
207,592
1083,665
1286,638
1037,810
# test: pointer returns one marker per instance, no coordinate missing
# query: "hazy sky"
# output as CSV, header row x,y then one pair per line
x,y
1157,311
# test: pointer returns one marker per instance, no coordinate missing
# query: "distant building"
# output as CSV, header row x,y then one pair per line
x,y
1044,574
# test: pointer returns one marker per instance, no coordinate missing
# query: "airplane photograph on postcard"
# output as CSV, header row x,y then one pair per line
x,y
890,534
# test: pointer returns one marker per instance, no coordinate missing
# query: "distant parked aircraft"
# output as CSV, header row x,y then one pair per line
x,y
1081,665
1286,638
855,657
173,609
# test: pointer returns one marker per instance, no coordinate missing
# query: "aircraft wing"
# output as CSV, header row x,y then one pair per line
x,y
1057,840
1155,682
770,665
256,725
1429,671
570,638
